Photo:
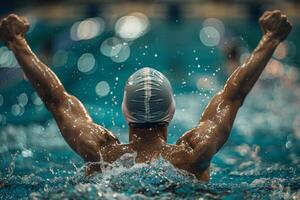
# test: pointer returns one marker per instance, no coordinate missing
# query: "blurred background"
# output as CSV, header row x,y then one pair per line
x,y
95,45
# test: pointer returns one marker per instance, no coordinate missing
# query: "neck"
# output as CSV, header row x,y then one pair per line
x,y
148,136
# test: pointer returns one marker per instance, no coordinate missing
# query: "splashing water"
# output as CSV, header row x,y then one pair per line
x,y
260,160
37,164
125,179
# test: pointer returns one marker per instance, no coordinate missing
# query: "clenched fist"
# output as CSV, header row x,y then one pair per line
x,y
275,24
12,27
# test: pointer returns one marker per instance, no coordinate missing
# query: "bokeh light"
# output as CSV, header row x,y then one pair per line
x,y
281,51
274,68
102,88
210,36
132,26
123,54
87,29
211,32
7,58
86,62
36,100
292,74
16,110
22,99
111,46
216,23
60,58
116,49
206,82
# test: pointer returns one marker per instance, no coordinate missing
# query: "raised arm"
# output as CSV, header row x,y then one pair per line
x,y
217,119
75,124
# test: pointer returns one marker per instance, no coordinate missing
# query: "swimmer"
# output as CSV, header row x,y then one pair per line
x,y
148,105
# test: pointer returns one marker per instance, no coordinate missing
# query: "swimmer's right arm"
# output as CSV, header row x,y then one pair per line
x,y
74,122
45,82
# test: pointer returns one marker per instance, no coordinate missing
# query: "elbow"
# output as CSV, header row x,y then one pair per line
x,y
235,92
53,101
205,151
89,150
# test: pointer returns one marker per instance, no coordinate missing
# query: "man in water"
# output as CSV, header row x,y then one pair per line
x,y
148,105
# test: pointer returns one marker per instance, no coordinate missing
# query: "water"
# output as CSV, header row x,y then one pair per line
x,y
260,161
127,180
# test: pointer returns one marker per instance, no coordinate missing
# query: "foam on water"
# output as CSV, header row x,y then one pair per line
x,y
125,179
260,160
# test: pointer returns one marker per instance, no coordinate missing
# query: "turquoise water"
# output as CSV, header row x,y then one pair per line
x,y
261,164
260,160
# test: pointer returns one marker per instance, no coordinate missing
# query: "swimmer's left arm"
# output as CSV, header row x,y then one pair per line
x,y
275,28
213,130
220,114
216,122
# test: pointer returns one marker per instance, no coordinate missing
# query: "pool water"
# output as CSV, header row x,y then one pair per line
x,y
260,161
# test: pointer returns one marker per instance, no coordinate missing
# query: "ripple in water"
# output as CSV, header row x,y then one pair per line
x,y
258,162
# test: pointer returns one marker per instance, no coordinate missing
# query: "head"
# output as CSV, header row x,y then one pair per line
x,y
148,101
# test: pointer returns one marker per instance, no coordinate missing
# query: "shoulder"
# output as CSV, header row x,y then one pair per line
x,y
184,157
198,134
198,144
178,155
93,141
102,135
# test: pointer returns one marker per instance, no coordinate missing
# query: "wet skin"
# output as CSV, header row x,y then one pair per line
x,y
193,150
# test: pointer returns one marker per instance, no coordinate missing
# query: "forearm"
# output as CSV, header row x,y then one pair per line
x,y
41,77
243,79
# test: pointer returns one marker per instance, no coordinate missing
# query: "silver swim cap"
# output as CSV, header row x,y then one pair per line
x,y
148,98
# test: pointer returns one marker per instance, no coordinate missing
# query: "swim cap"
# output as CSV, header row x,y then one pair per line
x,y
148,98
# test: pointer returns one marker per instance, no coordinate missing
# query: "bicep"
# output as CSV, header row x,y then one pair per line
x,y
88,139
68,108
215,124
201,141
213,129
221,111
